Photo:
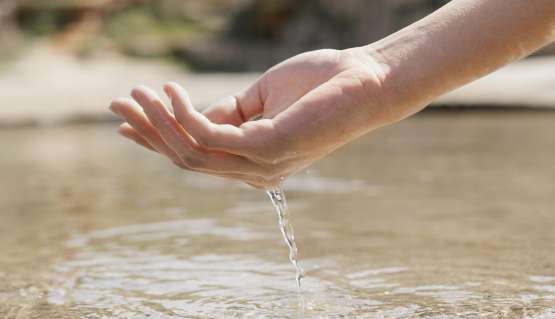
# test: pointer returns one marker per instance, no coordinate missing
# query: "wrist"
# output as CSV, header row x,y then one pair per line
x,y
409,83
388,103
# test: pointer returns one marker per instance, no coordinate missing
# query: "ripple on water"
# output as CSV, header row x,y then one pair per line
x,y
112,269
155,271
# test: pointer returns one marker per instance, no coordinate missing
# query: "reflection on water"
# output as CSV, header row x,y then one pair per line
x,y
407,223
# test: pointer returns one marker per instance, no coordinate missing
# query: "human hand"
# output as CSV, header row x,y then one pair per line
x,y
297,112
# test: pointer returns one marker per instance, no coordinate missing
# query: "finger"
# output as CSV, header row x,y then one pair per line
x,y
194,122
129,132
256,186
171,132
129,111
193,156
238,108
227,138
250,180
256,182
251,101
225,111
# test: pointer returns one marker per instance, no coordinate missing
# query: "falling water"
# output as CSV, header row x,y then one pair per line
x,y
280,203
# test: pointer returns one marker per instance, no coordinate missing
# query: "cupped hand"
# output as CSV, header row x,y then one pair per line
x,y
296,113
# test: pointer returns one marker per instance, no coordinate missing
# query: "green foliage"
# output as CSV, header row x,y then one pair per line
x,y
149,29
42,22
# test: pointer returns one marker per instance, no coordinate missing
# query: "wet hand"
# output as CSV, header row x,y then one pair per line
x,y
297,112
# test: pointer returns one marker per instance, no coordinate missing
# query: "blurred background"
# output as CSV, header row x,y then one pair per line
x,y
92,50
449,212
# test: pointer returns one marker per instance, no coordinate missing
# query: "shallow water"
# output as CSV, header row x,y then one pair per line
x,y
445,215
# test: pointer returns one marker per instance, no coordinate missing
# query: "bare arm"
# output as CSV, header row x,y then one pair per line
x,y
463,41
316,102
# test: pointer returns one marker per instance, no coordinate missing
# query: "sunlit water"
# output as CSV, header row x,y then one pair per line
x,y
446,215
277,197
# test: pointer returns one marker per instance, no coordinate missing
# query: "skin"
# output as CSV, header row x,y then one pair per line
x,y
309,105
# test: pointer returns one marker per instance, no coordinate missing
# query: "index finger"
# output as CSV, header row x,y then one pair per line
x,y
220,137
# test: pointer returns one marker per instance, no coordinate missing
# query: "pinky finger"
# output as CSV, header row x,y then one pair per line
x,y
127,131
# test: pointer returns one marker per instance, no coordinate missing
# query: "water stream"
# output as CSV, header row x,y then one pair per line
x,y
277,196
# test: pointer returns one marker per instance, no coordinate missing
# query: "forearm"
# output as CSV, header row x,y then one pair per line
x,y
462,41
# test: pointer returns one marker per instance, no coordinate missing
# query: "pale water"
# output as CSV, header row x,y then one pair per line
x,y
446,215
277,197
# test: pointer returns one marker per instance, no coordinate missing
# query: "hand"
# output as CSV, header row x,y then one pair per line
x,y
297,112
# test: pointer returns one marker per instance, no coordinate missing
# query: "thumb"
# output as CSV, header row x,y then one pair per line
x,y
237,108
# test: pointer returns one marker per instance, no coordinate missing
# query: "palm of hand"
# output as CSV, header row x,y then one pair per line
x,y
287,82
308,106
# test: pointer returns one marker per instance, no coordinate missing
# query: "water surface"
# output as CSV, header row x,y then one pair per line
x,y
445,215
